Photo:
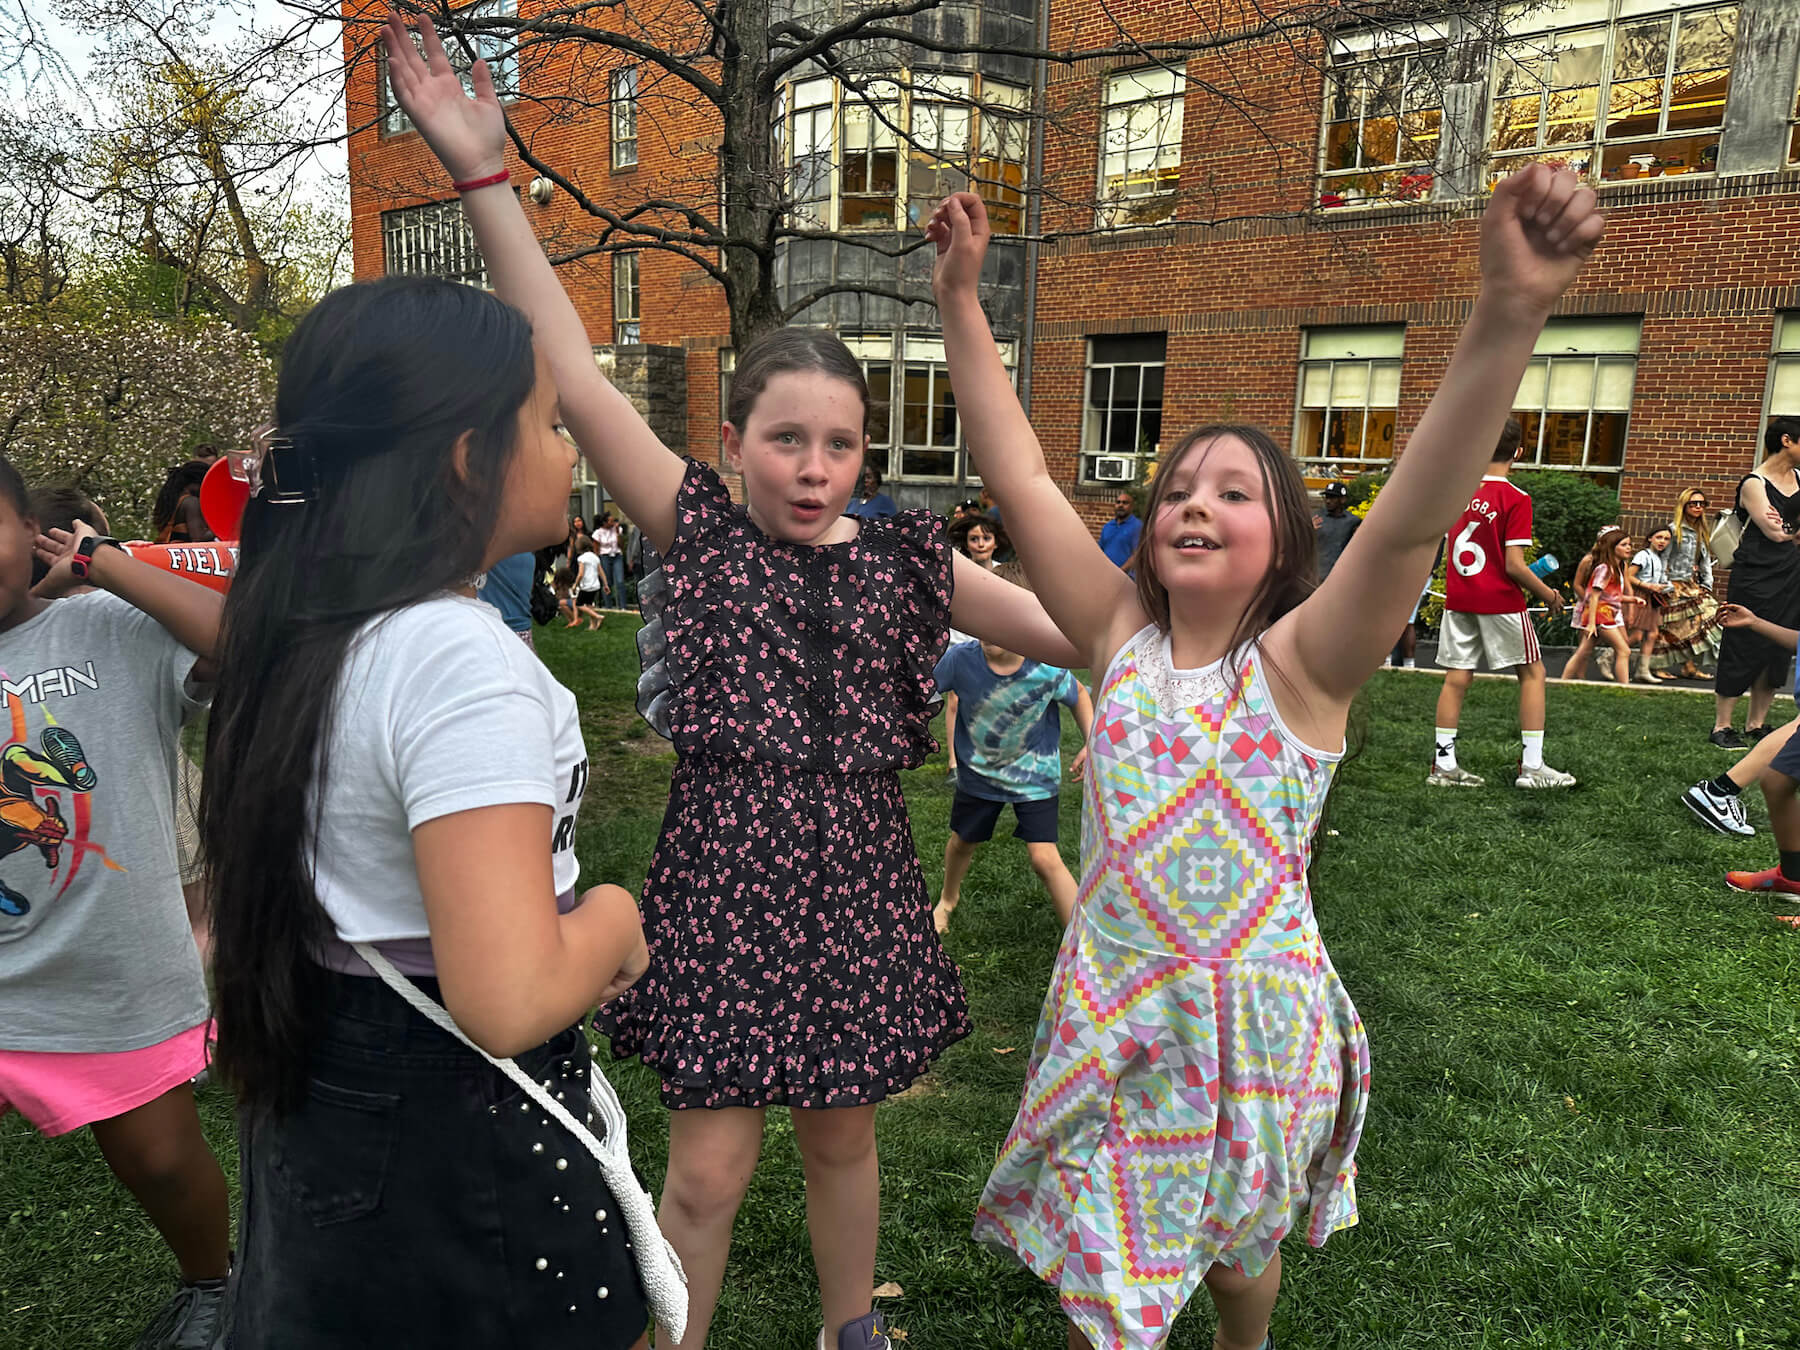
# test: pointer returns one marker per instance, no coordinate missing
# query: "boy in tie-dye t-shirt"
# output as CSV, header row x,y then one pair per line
x,y
1007,739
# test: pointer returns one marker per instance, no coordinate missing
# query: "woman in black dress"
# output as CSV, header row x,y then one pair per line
x,y
1765,579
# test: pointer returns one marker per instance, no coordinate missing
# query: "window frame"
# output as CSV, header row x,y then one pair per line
x,y
1087,453
623,90
1594,356
434,212
891,353
1415,179
504,68
1608,20
1330,365
1784,352
628,328
1136,210
810,125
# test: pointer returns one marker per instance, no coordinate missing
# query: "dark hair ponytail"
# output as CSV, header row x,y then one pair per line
x,y
378,383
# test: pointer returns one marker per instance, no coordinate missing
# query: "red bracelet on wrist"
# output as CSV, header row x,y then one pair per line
x,y
504,176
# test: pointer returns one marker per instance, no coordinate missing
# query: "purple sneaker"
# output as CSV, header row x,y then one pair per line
x,y
868,1332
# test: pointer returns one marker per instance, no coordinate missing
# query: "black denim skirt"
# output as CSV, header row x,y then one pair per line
x,y
419,1198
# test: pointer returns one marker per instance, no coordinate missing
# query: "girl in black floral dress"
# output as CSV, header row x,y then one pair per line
x,y
792,955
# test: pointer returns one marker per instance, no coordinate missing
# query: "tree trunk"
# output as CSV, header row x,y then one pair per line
x,y
752,178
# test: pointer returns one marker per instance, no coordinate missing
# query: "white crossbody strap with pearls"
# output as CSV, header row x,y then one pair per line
x,y
665,1283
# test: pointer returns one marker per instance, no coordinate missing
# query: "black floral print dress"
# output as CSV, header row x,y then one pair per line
x,y
792,955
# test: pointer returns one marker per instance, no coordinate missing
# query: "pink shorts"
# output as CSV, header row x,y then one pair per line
x,y
62,1092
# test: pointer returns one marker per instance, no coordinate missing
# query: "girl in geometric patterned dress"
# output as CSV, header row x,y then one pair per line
x,y
792,955
1197,1085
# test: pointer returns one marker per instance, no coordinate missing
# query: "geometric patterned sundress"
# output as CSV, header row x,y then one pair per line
x,y
1199,1075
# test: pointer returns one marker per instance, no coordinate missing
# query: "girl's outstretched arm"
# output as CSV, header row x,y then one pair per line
x,y
1091,601
469,138
1539,228
993,609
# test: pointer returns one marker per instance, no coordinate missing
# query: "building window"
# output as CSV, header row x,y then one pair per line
x,y
626,326
1641,97
1794,131
902,144
1575,399
1784,369
502,61
869,173
1140,147
1004,147
810,181
625,118
940,132
1121,422
433,240
914,430
1349,390
1382,121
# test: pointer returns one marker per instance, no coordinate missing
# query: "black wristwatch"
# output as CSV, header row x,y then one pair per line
x,y
85,550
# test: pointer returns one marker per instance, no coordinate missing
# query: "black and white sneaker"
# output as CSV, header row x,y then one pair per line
x,y
195,1319
1725,814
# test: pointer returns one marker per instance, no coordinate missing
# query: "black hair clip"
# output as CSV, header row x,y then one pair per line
x,y
278,468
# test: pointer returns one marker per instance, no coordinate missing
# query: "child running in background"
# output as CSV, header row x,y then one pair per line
x,y
1199,1078
793,956
102,1002
1008,750
588,592
1604,605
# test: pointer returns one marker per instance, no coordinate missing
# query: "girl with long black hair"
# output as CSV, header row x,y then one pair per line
x,y
390,769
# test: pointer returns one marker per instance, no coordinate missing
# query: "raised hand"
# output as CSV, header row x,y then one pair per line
x,y
54,549
467,135
959,228
1540,227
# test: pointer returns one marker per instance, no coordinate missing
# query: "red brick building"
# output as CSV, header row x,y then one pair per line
x,y
1278,230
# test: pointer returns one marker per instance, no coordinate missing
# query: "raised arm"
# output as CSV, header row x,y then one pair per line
x,y
986,606
469,138
1089,599
187,609
1539,228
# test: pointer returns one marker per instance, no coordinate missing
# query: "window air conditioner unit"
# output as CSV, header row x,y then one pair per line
x,y
1114,468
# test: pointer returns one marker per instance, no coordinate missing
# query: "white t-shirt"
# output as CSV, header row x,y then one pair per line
x,y
441,709
589,563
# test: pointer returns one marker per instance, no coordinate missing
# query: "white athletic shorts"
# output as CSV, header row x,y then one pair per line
x,y
1506,640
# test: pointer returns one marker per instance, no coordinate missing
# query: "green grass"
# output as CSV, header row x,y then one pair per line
x,y
1585,1124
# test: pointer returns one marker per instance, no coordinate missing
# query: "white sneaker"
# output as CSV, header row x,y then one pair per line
x,y
1457,777
1543,777
1724,814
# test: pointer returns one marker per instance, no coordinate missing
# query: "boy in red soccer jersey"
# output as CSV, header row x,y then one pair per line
x,y
1486,580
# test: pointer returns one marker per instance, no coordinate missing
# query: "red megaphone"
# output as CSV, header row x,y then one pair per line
x,y
208,564
223,496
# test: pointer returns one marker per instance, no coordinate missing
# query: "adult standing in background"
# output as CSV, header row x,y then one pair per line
x,y
1690,638
1765,579
1334,528
1119,536
176,517
507,587
612,557
870,500
577,531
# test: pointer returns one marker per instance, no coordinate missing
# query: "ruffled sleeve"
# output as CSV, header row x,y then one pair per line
x,y
703,506
703,516
923,584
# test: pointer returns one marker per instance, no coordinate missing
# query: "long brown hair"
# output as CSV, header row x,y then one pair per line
x,y
1605,550
1290,578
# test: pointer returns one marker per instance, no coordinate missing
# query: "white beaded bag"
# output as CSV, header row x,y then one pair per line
x,y
665,1283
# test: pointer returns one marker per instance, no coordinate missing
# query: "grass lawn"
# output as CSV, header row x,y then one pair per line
x,y
1585,1127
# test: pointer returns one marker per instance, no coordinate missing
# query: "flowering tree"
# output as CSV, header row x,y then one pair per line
x,y
110,407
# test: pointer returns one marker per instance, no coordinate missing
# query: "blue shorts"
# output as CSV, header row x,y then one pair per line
x,y
972,819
